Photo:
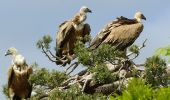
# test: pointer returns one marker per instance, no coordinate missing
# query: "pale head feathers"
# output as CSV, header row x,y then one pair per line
x,y
80,17
85,9
11,51
139,16
17,59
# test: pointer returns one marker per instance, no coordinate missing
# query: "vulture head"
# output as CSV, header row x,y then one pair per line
x,y
11,51
139,16
85,9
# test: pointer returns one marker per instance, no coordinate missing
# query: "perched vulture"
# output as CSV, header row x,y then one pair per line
x,y
120,33
70,31
18,74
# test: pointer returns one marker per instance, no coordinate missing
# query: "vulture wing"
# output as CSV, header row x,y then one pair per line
x,y
63,33
10,75
100,36
86,31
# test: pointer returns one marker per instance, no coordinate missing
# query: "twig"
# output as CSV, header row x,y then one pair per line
x,y
136,66
52,54
65,83
74,65
139,48
47,54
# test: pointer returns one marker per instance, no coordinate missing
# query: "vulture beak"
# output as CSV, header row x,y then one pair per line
x,y
7,53
143,17
88,10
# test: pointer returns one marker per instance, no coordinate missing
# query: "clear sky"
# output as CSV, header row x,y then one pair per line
x,y
23,22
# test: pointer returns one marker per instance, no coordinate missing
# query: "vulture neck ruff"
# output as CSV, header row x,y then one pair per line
x,y
78,20
19,62
79,26
17,70
139,20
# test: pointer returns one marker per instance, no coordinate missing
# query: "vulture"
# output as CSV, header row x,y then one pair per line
x,y
18,74
72,30
120,33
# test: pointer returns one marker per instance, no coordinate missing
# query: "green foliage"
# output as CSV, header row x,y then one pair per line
x,y
53,79
74,93
139,90
83,54
44,41
164,51
105,53
162,94
48,78
5,90
98,58
44,80
136,90
85,39
102,74
155,71
134,49
40,77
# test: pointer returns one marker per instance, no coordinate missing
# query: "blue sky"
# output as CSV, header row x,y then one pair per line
x,y
23,22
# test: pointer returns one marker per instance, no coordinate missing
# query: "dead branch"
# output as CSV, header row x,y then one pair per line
x,y
44,51
139,48
51,54
136,66
86,79
73,66
69,82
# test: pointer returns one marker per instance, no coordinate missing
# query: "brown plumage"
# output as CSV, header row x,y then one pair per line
x,y
120,33
18,85
70,31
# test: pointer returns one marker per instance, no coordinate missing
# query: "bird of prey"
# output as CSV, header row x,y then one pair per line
x,y
70,31
18,74
120,33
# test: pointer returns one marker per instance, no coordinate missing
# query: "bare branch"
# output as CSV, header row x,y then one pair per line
x,y
65,83
51,53
44,51
136,66
74,65
139,48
